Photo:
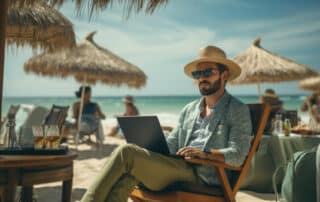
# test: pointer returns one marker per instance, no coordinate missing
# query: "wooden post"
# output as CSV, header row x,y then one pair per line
x,y
259,90
80,110
3,25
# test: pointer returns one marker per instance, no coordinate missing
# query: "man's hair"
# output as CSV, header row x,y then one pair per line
x,y
222,68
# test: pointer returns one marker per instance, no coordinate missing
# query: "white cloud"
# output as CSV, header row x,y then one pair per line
x,y
166,41
284,33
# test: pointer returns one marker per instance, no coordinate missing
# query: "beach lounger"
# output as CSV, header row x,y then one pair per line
x,y
226,192
90,125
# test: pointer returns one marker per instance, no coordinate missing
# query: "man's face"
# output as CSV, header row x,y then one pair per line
x,y
210,83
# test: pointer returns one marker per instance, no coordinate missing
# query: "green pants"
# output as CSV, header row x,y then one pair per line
x,y
128,165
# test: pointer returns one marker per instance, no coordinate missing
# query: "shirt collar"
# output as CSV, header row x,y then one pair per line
x,y
222,101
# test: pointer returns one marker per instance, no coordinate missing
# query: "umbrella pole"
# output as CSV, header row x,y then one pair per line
x,y
259,89
3,25
80,111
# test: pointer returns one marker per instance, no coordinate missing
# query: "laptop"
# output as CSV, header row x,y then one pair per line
x,y
146,132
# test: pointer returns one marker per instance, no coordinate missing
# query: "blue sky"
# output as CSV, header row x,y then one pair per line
x,y
161,44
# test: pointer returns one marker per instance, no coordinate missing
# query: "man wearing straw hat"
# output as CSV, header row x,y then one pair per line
x,y
216,126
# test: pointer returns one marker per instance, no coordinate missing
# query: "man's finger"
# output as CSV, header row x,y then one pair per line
x,y
183,149
186,150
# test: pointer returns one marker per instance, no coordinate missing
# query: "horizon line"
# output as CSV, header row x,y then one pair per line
x,y
146,95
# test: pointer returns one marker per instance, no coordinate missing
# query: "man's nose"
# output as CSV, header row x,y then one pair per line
x,y
202,78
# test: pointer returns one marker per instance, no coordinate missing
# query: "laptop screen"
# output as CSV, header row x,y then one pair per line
x,y
144,131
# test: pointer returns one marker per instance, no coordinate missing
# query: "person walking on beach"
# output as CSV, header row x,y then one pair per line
x,y
91,114
216,126
130,110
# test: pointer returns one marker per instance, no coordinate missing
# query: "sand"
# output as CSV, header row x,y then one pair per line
x,y
87,165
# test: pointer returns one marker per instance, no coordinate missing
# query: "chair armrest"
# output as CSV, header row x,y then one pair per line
x,y
212,163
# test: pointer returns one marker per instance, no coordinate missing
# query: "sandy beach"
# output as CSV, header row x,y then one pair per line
x,y
89,162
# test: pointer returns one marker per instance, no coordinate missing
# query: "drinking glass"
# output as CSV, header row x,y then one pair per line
x,y
52,139
38,137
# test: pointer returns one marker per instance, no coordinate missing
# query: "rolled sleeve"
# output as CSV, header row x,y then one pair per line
x,y
239,136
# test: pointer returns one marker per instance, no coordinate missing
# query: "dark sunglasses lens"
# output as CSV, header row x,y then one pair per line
x,y
207,72
199,73
196,74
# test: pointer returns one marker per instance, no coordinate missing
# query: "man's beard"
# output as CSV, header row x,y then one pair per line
x,y
213,88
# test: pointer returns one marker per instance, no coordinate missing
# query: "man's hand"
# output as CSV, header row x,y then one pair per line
x,y
191,152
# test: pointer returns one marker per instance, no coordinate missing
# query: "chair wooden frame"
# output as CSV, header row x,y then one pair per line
x,y
259,116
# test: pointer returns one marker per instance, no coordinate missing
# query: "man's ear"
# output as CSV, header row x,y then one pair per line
x,y
225,75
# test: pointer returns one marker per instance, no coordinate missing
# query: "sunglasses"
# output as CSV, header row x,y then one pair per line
x,y
204,73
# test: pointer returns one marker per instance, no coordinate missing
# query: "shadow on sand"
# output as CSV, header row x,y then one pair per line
x,y
53,194
98,153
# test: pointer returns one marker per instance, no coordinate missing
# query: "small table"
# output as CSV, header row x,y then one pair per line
x,y
28,170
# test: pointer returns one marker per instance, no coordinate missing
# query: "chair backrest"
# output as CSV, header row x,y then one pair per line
x,y
56,116
259,116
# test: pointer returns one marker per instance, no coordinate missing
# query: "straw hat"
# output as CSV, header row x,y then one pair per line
x,y
213,54
128,99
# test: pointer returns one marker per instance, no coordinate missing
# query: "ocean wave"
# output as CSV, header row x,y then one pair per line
x,y
302,97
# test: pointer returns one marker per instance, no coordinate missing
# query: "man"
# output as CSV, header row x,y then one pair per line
x,y
216,127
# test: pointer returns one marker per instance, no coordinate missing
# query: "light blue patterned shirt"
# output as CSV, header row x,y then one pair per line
x,y
228,130
199,134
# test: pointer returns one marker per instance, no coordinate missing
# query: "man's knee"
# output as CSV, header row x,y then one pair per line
x,y
127,151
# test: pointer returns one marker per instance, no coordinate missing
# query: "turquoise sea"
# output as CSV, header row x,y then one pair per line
x,y
167,108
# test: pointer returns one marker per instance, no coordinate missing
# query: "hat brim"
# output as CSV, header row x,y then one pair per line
x,y
234,69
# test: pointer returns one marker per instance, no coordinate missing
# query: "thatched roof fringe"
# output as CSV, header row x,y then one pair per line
x,y
312,83
40,26
98,5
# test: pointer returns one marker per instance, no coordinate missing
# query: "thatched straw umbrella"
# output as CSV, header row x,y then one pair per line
x,y
38,25
260,65
92,5
88,63
312,84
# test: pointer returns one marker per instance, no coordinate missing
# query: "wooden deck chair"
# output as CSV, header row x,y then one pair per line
x,y
186,192
56,116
